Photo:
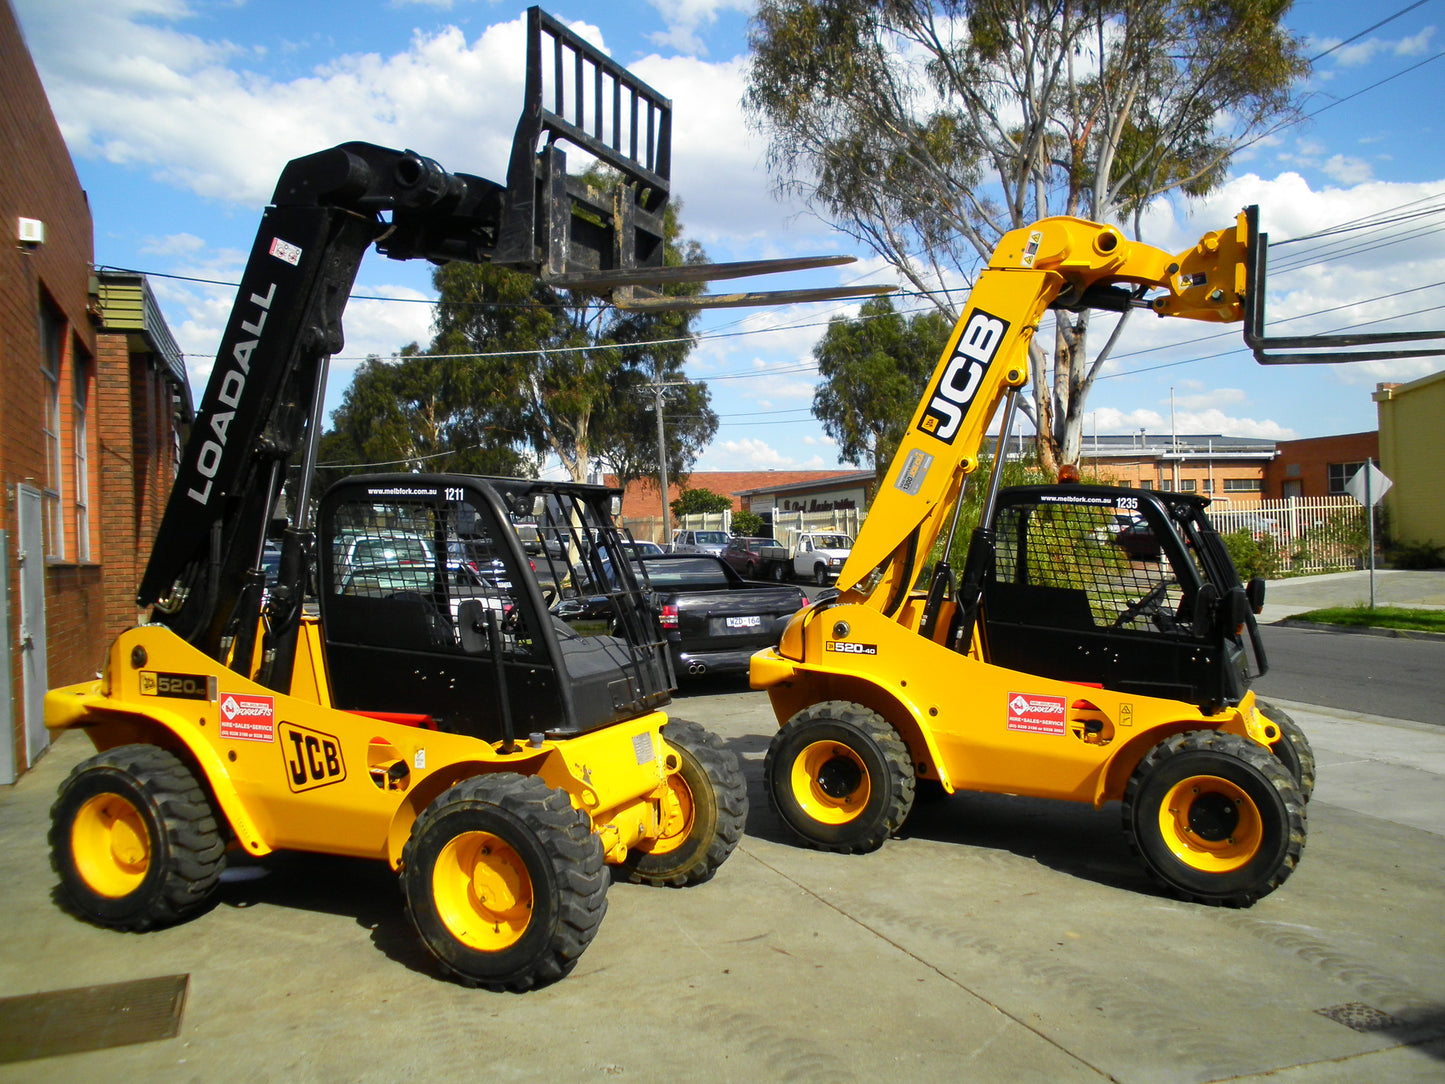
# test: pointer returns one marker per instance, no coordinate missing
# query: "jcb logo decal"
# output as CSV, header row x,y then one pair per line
x,y
963,375
312,759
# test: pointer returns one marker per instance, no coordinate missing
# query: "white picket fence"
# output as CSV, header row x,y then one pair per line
x,y
1308,534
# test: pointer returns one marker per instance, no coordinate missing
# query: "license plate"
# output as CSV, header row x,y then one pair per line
x,y
744,622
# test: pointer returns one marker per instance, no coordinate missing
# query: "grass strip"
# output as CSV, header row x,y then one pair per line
x,y
1384,617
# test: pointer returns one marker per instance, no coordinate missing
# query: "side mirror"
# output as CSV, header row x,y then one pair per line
x,y
1255,593
1238,608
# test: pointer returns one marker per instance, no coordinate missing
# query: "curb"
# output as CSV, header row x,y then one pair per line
x,y
1367,630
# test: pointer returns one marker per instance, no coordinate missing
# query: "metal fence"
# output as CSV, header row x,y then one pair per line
x,y
1303,534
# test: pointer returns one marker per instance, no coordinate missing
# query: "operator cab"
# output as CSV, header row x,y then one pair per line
x,y
429,605
1131,589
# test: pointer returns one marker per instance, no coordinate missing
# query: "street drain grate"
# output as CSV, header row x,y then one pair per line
x,y
1362,1017
91,1017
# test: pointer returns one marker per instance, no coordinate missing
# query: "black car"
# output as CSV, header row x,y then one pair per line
x,y
712,619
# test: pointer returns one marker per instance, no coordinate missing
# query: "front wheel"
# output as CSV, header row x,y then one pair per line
x,y
839,777
504,881
134,839
1215,817
704,810
820,575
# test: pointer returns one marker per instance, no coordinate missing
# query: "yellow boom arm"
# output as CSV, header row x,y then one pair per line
x,y
1056,261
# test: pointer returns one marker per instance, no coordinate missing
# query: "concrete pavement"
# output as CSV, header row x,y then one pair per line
x,y
1393,587
998,939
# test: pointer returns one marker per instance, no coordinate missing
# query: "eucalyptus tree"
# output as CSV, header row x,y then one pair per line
x,y
927,129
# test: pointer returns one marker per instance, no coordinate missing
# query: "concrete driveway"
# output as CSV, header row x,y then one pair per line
x,y
1000,939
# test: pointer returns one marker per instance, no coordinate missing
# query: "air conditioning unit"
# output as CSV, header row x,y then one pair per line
x,y
31,231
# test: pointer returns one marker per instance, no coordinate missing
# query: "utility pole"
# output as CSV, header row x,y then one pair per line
x,y
659,390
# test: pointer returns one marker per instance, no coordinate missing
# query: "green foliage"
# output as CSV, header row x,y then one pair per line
x,y
516,366
694,502
1417,555
1016,472
415,413
874,368
749,524
927,129
1253,557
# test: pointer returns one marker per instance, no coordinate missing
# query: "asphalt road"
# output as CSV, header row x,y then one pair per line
x,y
1378,675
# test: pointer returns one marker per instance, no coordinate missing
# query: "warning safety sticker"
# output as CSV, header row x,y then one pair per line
x,y
245,717
1036,714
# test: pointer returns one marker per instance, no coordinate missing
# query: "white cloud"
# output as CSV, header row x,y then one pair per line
x,y
685,17
1347,170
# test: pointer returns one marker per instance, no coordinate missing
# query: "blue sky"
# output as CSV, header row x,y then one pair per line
x,y
180,114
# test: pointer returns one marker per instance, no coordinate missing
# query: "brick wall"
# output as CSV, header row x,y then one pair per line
x,y
1302,467
38,181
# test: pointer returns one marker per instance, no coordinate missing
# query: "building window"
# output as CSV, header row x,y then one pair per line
x,y
1209,485
52,332
82,461
1340,474
1187,485
1243,485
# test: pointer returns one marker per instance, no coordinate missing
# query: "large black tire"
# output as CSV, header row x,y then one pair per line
x,y
1215,818
135,840
779,572
504,881
1293,749
839,777
820,575
703,817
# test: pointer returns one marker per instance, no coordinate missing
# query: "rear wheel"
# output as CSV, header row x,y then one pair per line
x,y
1293,748
839,777
134,839
779,572
703,813
1215,817
504,881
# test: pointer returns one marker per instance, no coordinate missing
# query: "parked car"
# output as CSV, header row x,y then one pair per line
x,y
744,555
1138,541
712,542
712,619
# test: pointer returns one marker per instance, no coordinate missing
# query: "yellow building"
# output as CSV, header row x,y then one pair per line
x,y
1410,446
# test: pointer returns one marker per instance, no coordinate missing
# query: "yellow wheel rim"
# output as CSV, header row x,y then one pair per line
x,y
1210,824
110,845
483,892
678,813
830,782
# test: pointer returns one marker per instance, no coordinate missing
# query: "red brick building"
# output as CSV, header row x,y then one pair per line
x,y
1318,466
69,392
642,507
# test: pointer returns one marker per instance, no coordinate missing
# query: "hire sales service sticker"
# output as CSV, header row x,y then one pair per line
x,y
1036,714
245,717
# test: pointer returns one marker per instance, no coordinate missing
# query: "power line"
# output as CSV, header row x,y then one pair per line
x,y
1362,33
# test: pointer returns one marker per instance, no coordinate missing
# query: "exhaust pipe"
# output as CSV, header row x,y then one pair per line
x,y
696,668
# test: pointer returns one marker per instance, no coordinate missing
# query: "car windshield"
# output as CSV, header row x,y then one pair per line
x,y
832,542
671,572
397,549
711,538
382,581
